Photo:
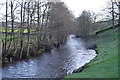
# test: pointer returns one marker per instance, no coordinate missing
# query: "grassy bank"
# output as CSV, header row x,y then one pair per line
x,y
105,65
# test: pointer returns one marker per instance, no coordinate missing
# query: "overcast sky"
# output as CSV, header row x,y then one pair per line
x,y
77,6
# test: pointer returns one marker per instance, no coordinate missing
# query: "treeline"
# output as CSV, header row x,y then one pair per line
x,y
32,16
47,25
33,27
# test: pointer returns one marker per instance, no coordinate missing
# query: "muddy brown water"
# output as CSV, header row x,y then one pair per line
x,y
56,64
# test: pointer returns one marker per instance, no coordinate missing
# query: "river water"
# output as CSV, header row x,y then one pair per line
x,y
56,64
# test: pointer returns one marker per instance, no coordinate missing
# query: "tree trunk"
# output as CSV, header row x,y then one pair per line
x,y
5,44
21,31
28,28
113,14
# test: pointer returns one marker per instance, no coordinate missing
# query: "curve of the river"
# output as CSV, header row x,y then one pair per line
x,y
56,64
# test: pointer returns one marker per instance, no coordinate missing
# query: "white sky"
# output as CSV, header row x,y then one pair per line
x,y
77,6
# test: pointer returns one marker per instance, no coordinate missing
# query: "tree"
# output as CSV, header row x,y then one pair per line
x,y
61,22
21,16
84,23
112,11
4,49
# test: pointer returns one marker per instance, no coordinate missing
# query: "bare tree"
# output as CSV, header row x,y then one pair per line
x,y
48,22
85,22
111,11
61,22
22,15
6,29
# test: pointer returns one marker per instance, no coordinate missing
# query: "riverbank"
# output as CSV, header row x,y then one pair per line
x,y
30,49
56,64
105,65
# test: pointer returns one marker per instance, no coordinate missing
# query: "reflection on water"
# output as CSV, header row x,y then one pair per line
x,y
56,64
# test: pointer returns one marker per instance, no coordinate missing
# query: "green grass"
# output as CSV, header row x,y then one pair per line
x,y
16,30
105,65
17,40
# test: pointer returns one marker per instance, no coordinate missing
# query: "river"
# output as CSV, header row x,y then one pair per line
x,y
56,64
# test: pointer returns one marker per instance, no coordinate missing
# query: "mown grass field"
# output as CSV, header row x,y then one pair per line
x,y
17,35
17,30
105,65
17,40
